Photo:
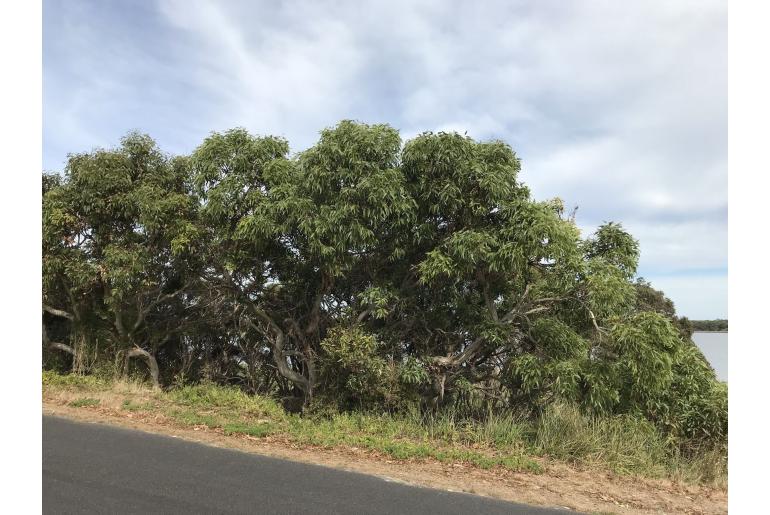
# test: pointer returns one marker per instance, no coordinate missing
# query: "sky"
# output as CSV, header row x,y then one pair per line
x,y
619,108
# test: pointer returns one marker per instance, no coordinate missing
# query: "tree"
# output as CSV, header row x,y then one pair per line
x,y
288,236
363,271
650,299
118,231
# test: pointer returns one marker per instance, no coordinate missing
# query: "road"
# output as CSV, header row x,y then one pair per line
x,y
92,468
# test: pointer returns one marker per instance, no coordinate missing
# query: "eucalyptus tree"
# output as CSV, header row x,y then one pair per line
x,y
486,265
363,270
650,299
288,234
71,289
118,233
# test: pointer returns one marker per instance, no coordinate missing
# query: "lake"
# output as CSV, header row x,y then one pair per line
x,y
714,347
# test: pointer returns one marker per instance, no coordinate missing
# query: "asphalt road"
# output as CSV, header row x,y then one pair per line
x,y
91,468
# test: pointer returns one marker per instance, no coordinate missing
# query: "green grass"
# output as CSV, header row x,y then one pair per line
x,y
130,405
256,430
52,379
84,402
623,444
226,398
192,418
628,445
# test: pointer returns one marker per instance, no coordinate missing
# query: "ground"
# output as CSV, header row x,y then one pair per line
x,y
556,484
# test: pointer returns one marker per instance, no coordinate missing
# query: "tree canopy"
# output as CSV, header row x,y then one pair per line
x,y
364,271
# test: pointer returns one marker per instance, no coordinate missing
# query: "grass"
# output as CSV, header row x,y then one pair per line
x,y
629,445
625,445
84,402
52,379
258,430
130,405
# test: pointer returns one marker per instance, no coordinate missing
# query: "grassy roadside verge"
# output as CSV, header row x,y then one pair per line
x,y
621,445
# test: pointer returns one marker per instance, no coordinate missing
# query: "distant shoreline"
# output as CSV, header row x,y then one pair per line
x,y
709,332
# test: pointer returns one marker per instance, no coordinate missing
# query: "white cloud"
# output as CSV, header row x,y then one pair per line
x,y
617,107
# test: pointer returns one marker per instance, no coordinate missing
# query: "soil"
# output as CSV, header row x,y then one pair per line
x,y
560,485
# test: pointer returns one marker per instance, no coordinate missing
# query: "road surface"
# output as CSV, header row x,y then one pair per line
x,y
91,468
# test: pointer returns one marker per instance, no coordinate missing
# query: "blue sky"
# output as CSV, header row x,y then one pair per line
x,y
619,108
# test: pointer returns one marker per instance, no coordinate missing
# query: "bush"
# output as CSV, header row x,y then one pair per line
x,y
356,375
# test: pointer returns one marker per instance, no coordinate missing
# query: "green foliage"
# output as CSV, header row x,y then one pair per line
x,y
119,235
363,273
557,340
642,349
412,372
609,293
650,299
615,246
356,375
696,404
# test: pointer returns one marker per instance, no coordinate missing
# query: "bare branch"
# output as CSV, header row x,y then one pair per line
x,y
56,345
62,346
469,352
57,312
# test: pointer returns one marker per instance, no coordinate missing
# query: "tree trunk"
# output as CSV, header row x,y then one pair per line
x,y
152,363
277,341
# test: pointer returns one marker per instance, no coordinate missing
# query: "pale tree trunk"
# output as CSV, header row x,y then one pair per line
x,y
277,339
152,363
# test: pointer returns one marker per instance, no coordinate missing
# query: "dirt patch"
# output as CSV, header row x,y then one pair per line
x,y
559,486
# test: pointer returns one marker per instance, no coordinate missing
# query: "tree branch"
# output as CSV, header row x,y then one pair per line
x,y
161,298
62,346
279,355
58,312
56,345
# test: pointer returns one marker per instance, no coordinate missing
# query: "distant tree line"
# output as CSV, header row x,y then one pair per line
x,y
709,325
364,272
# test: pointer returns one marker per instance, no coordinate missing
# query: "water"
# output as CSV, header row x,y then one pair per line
x,y
714,347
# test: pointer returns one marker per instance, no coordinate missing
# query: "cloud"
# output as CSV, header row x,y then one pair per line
x,y
620,108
